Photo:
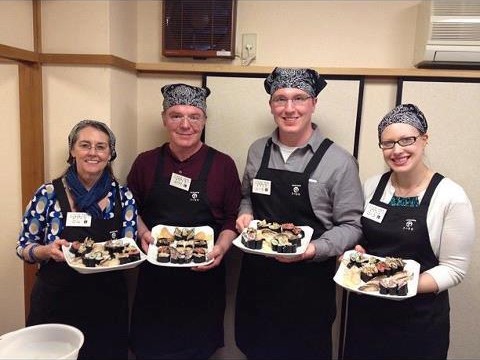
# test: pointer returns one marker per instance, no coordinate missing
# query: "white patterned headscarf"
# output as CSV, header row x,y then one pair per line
x,y
307,80
405,114
183,94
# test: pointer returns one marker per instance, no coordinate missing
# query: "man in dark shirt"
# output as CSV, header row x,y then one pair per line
x,y
177,312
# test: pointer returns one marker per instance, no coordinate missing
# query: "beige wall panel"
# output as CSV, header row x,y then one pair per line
x,y
452,112
11,267
379,99
70,95
330,33
16,27
123,120
123,29
73,26
149,31
150,130
310,33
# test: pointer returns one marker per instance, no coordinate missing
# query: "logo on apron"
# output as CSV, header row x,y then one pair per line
x,y
194,196
296,190
409,224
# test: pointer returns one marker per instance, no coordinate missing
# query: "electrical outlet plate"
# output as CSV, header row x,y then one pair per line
x,y
249,47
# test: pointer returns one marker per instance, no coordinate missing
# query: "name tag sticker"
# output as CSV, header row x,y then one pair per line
x,y
78,219
180,182
374,212
261,186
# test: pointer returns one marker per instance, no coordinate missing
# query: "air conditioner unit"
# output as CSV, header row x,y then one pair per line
x,y
448,34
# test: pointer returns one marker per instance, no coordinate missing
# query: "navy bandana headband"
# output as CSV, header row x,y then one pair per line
x,y
404,114
307,80
182,94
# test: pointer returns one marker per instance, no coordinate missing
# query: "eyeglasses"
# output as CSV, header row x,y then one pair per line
x,y
194,119
100,148
406,141
282,101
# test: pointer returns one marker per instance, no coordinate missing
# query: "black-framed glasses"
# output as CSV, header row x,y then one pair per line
x,y
281,101
405,141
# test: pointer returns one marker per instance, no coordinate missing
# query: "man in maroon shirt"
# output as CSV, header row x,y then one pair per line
x,y
177,312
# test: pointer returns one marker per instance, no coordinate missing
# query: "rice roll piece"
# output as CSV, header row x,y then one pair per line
x,y
163,255
199,255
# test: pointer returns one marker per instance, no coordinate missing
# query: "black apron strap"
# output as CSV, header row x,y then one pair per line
x,y
266,154
317,157
427,197
381,187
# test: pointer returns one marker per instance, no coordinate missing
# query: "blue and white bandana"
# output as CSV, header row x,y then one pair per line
x,y
307,80
404,114
183,94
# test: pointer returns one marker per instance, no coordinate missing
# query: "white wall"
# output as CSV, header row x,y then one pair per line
x,y
11,269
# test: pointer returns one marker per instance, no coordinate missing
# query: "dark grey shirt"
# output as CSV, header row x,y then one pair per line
x,y
334,187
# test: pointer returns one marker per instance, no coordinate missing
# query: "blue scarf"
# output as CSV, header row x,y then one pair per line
x,y
87,200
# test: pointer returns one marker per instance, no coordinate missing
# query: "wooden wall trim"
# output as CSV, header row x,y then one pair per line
x,y
13,53
191,68
88,59
31,147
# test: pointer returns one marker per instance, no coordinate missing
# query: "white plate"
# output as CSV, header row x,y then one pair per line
x,y
410,265
82,269
266,250
153,249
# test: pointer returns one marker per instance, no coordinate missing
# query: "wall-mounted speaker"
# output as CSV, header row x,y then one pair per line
x,y
199,28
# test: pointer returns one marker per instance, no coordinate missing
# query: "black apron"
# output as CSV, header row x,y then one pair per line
x,y
286,310
417,327
97,304
178,313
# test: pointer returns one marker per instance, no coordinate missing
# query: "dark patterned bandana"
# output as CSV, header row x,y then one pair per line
x,y
307,80
182,94
73,136
404,114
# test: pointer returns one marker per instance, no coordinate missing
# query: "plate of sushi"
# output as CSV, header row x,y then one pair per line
x,y
177,246
274,239
89,257
390,277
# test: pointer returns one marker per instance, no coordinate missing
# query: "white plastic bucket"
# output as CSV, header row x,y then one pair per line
x,y
46,341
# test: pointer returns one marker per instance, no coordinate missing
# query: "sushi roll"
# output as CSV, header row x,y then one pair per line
x,y
74,246
114,246
368,272
275,227
89,260
402,288
199,255
163,255
83,250
89,243
188,255
200,243
388,286
262,224
123,258
383,268
133,254
249,238
162,242
274,244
